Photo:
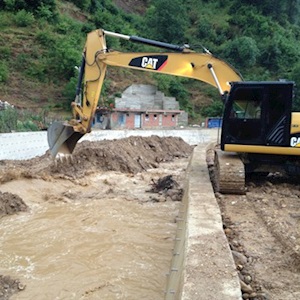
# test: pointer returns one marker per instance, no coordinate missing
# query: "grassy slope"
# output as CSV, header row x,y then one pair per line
x,y
25,92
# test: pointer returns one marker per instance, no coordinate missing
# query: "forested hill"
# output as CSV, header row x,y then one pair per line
x,y
41,42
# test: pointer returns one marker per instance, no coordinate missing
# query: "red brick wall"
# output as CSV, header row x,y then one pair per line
x,y
151,120
169,120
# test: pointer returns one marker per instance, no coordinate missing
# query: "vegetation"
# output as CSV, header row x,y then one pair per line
x,y
16,120
259,38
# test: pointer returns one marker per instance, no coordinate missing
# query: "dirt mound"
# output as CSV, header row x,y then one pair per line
x,y
10,204
129,155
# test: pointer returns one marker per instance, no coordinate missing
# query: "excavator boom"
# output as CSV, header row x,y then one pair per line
x,y
63,137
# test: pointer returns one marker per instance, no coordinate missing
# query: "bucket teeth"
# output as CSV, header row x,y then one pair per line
x,y
62,159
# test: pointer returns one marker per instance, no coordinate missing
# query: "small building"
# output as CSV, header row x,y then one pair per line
x,y
142,106
149,119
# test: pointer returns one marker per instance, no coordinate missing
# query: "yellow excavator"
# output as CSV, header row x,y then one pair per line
x,y
257,123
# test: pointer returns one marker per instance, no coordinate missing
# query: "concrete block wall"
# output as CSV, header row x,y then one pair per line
x,y
170,103
141,96
183,119
141,89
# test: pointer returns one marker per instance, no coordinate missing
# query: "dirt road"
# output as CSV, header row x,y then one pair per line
x,y
263,229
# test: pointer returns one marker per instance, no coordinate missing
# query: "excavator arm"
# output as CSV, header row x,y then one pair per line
x,y
63,137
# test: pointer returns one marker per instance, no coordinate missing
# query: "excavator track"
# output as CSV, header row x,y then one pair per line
x,y
229,173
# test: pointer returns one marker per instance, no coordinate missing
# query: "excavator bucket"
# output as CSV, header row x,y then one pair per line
x,y
62,138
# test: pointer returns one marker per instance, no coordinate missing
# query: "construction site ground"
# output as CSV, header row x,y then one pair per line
x,y
117,183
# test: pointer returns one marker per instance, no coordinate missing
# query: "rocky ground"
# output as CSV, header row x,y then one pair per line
x,y
263,230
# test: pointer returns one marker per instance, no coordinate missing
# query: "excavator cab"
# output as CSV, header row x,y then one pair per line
x,y
257,114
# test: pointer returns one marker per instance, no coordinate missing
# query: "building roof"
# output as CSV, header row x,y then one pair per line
x,y
148,111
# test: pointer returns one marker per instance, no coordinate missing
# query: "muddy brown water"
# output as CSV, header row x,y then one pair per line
x,y
92,230
98,238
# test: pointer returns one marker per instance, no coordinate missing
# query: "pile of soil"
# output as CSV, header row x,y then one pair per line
x,y
129,155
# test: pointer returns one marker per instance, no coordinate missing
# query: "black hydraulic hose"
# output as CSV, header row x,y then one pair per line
x,y
157,43
80,77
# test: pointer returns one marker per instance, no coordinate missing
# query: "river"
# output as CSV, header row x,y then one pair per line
x,y
97,238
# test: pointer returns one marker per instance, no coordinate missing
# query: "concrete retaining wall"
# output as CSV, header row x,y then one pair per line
x,y
202,266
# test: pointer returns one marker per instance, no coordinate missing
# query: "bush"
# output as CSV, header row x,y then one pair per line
x,y
45,37
24,18
8,120
37,70
6,19
3,72
44,12
213,110
5,52
70,91
22,61
27,125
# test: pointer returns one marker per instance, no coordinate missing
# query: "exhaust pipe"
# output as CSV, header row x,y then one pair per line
x,y
62,138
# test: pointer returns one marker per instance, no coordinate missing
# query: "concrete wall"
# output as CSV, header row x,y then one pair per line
x,y
26,145
202,266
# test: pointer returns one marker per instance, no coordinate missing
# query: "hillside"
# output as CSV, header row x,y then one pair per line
x,y
24,90
41,43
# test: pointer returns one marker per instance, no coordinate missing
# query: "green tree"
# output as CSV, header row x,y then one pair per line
x,y
215,109
242,52
279,9
31,5
295,76
167,21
